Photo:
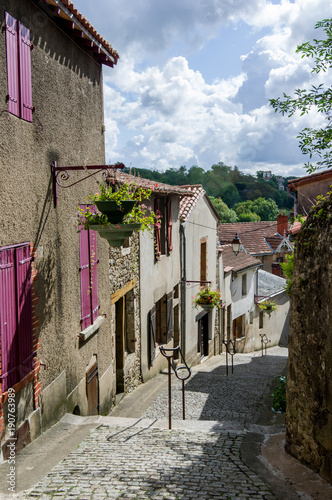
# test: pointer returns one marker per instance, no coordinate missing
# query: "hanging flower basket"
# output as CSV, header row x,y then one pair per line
x,y
114,211
268,306
208,299
115,235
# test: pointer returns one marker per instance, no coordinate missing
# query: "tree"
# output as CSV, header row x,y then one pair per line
x,y
226,214
313,141
267,209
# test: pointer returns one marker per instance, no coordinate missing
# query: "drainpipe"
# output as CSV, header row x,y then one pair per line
x,y
295,201
183,287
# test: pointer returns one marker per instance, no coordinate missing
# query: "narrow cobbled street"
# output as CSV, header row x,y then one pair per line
x,y
212,454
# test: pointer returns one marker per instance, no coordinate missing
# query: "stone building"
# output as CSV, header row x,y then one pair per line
x,y
56,353
267,241
309,380
307,188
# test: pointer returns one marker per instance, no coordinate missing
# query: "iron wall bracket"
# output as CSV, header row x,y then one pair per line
x,y
62,174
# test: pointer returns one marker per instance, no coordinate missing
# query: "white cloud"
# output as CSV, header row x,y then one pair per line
x,y
160,113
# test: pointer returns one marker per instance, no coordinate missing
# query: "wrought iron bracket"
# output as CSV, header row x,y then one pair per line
x,y
200,282
61,174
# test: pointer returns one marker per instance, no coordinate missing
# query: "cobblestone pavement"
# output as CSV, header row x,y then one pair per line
x,y
235,399
143,460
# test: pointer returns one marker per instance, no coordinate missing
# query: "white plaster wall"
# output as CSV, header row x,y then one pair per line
x,y
157,279
202,223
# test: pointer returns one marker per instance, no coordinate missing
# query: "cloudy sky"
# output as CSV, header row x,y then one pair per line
x,y
194,79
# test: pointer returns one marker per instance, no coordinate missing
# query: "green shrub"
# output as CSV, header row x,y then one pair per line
x,y
279,395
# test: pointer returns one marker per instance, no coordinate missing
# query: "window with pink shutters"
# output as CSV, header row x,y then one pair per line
x,y
15,314
88,277
18,49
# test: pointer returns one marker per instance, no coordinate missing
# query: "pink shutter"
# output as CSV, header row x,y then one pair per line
x,y
24,310
86,319
169,226
8,324
94,274
25,73
157,229
12,64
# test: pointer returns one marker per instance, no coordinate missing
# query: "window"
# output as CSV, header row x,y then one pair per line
x,y
88,277
244,285
203,262
163,229
261,319
15,314
18,50
160,324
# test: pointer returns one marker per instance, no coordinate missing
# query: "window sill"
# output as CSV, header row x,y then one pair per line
x,y
88,332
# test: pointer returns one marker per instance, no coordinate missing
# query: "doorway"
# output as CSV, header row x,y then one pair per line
x,y
203,335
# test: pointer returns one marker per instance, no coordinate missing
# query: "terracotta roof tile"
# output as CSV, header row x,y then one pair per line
x,y
68,4
156,187
252,235
239,262
188,203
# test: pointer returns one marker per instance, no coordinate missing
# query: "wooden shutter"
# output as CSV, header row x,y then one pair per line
x,y
8,319
86,319
203,263
93,274
169,226
152,334
12,64
169,317
25,73
157,229
24,310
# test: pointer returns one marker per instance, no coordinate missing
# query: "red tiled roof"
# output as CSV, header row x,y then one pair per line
x,y
188,203
317,176
74,23
156,187
239,262
252,235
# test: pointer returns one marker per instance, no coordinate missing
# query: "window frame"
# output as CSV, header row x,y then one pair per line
x,y
88,268
16,305
18,66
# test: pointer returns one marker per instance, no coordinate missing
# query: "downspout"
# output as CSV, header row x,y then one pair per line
x,y
183,287
295,201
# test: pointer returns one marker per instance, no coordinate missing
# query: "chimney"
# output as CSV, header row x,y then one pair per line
x,y
282,225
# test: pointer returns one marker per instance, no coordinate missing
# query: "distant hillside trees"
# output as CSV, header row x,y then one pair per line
x,y
232,187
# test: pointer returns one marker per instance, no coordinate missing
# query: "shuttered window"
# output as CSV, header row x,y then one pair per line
x,y
157,229
169,226
88,277
15,314
203,263
18,49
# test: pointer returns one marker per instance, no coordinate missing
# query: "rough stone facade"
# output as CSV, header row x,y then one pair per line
x,y
126,338
309,387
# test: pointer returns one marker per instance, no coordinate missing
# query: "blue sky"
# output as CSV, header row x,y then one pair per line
x,y
194,79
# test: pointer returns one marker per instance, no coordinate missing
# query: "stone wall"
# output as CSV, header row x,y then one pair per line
x,y
124,282
309,386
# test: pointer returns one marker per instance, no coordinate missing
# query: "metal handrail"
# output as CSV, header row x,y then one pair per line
x,y
229,350
264,341
169,353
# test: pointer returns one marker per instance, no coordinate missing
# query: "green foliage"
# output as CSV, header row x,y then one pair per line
x,y
222,181
287,268
259,209
268,306
279,395
226,214
313,141
120,193
206,296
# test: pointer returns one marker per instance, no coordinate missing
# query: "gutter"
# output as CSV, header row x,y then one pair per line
x,y
183,265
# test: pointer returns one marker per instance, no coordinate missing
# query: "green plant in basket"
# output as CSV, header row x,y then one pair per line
x,y
208,297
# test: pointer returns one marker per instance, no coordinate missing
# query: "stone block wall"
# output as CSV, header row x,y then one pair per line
x,y
309,385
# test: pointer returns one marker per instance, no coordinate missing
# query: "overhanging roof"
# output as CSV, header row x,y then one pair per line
x,y
74,24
